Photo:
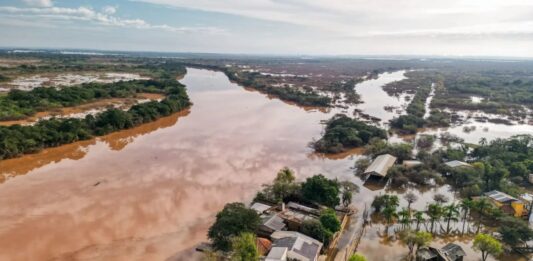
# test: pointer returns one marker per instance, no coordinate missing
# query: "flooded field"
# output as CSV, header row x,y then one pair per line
x,y
27,83
150,193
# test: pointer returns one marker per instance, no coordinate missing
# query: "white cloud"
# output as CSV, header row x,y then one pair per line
x,y
109,10
38,3
359,18
87,14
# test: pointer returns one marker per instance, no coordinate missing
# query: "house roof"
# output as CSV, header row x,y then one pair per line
x,y
457,163
453,251
500,196
263,245
260,207
299,246
381,165
274,222
277,254
425,253
302,208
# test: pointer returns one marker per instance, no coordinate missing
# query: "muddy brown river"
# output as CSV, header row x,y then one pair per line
x,y
150,193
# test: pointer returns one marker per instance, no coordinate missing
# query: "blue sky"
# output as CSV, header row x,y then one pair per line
x,y
358,27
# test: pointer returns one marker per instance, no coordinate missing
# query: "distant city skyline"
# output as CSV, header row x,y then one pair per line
x,y
288,27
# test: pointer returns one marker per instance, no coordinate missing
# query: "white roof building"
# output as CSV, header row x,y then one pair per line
x,y
381,165
277,254
456,163
299,246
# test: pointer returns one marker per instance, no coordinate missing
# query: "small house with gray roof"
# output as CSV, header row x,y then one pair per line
x,y
299,246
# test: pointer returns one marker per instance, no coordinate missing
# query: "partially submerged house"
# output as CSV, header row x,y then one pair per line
x,y
450,252
298,246
506,203
380,165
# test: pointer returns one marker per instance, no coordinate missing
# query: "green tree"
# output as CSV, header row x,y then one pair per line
x,y
321,190
419,217
488,245
245,247
481,205
233,220
316,230
405,217
466,205
434,213
357,257
450,213
346,198
328,219
415,239
514,231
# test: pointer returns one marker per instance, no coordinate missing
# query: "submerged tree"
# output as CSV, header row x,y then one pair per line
x,y
450,213
434,213
488,245
233,220
245,248
357,257
415,239
419,217
411,198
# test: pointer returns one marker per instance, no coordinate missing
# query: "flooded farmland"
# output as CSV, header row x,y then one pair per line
x,y
151,192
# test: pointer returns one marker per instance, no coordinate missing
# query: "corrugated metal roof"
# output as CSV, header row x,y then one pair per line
x,y
381,165
500,196
456,163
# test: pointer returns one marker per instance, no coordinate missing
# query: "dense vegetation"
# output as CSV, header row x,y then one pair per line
x,y
16,140
503,92
19,104
347,88
301,97
342,133
234,220
421,83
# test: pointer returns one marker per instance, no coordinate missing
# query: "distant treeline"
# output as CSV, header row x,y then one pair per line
x,y
17,140
343,133
303,98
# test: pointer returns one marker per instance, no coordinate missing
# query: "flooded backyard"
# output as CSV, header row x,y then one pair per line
x,y
151,192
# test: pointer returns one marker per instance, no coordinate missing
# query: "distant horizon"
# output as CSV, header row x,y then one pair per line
x,y
348,56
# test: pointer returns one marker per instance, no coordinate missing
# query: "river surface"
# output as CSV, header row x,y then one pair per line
x,y
150,193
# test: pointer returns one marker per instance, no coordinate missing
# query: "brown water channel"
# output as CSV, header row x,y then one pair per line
x,y
150,193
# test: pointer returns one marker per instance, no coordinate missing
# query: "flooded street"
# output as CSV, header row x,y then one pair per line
x,y
150,193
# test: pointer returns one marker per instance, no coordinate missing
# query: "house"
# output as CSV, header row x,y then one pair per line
x,y
453,252
277,254
506,203
450,252
270,224
299,246
380,165
457,164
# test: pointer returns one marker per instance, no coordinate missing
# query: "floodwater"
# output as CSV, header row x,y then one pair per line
x,y
150,193
375,98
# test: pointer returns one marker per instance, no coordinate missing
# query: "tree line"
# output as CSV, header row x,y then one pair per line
x,y
16,140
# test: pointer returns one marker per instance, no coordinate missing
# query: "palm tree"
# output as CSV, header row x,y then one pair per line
x,y
419,217
483,141
451,212
481,205
389,213
434,213
405,217
465,205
